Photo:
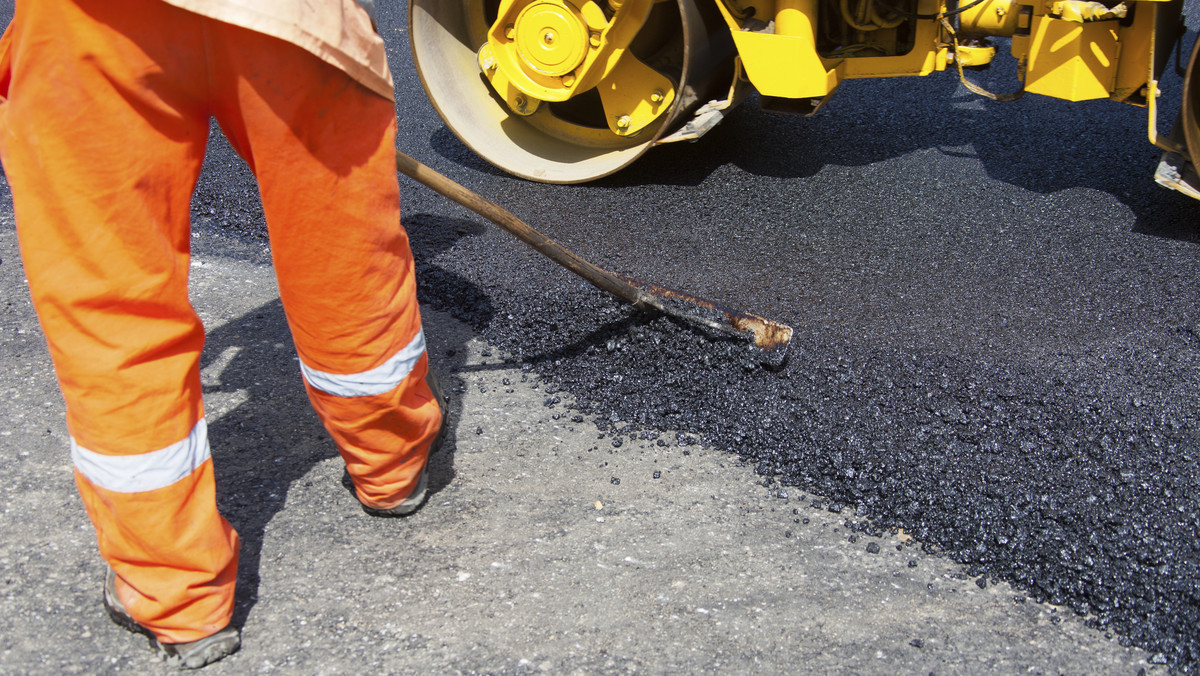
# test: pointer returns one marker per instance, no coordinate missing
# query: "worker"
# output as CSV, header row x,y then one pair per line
x,y
105,116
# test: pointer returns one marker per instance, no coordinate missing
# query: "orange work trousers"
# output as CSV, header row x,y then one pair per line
x,y
102,136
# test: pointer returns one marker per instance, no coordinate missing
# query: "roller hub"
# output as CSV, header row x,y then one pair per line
x,y
551,38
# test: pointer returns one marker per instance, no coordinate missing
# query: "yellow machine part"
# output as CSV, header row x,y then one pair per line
x,y
571,90
975,56
781,58
990,17
1079,55
564,91
549,50
785,62
1070,49
1072,61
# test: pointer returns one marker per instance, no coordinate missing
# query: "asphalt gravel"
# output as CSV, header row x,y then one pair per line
x,y
997,314
997,326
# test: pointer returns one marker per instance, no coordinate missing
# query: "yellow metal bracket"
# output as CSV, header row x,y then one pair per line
x,y
1071,60
1152,93
971,56
784,63
551,50
1084,11
1166,143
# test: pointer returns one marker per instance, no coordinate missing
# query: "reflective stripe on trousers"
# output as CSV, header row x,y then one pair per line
x,y
146,471
378,380
368,413
102,137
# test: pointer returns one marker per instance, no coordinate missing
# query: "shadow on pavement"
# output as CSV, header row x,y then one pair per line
x,y
268,438
1036,143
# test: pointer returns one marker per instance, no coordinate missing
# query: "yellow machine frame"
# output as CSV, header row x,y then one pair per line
x,y
1065,53
646,72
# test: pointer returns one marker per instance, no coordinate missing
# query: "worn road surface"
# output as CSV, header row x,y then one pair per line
x,y
979,458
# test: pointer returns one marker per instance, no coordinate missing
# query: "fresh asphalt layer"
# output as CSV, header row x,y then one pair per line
x,y
543,547
979,457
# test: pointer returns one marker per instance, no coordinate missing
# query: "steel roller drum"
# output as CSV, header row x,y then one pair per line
x,y
569,141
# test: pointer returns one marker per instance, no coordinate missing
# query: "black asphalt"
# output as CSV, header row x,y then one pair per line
x,y
997,321
998,327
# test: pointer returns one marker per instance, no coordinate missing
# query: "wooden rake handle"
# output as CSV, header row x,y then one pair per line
x,y
768,335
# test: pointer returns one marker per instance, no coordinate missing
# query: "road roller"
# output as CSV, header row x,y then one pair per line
x,y
568,91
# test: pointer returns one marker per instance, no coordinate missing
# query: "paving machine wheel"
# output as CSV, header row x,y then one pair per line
x,y
1189,113
566,91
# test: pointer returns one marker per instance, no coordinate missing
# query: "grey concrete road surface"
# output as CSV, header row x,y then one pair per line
x,y
544,547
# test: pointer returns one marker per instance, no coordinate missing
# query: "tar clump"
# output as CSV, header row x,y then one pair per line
x,y
1077,487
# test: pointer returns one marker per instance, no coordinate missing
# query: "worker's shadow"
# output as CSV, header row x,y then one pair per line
x,y
266,437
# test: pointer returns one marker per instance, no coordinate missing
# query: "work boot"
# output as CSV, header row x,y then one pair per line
x,y
416,499
190,655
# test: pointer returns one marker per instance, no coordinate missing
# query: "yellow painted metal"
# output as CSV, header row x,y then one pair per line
x,y
1171,144
1061,61
517,100
1084,11
990,17
1145,47
970,56
634,96
931,52
552,50
612,43
787,64
552,38
1137,52
783,64
569,141
1164,142
537,42
567,69
1072,61
795,17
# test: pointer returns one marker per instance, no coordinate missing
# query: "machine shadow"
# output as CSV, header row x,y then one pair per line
x,y
265,435
1036,143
